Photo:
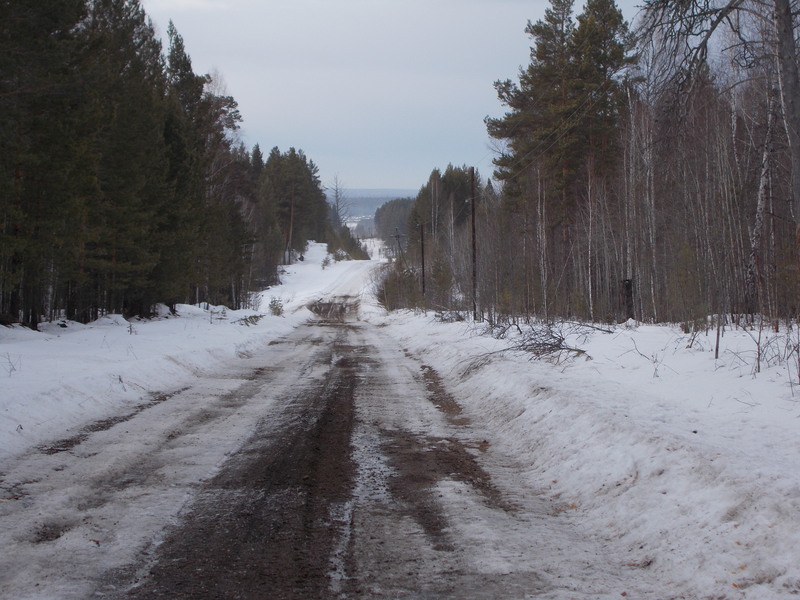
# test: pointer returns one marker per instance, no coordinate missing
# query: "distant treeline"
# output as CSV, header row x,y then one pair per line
x,y
122,180
391,220
635,179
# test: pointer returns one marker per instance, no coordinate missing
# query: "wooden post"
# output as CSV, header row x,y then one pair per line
x,y
627,285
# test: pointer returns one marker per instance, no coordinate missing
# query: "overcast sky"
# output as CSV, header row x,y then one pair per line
x,y
375,92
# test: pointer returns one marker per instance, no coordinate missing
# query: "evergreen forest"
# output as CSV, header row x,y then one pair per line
x,y
123,180
648,172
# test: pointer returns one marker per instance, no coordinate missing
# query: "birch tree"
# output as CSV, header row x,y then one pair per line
x,y
685,31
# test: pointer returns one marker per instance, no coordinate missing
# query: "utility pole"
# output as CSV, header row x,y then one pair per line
x,y
474,250
422,253
397,235
290,233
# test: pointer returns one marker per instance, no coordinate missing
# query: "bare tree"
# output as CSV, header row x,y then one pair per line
x,y
339,203
686,29
757,232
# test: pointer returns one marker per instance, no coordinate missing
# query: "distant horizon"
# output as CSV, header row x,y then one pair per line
x,y
375,193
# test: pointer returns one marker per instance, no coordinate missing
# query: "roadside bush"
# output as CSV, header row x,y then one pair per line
x,y
276,306
398,287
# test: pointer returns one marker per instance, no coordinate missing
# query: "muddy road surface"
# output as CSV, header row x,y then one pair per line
x,y
331,465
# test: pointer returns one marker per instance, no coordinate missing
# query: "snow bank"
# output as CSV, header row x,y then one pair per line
x,y
55,381
680,464
70,374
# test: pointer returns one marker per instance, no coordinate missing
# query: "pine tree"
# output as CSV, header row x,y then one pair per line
x,y
567,102
539,127
121,248
256,162
177,235
600,48
187,86
43,159
121,181
561,134
292,195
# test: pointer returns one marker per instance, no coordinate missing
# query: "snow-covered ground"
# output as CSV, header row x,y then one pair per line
x,y
54,381
681,465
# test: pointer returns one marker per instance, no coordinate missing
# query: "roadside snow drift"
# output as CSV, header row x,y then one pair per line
x,y
686,466
55,381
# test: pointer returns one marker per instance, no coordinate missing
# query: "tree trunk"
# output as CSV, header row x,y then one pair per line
x,y
790,92
752,275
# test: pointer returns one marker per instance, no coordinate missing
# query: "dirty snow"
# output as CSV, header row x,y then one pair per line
x,y
683,466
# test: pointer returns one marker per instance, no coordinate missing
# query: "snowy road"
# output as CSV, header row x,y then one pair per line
x,y
330,464
367,454
88,508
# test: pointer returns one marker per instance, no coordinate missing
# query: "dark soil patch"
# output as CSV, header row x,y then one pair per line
x,y
441,397
67,444
420,464
264,527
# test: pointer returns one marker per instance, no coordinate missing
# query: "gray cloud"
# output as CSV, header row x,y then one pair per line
x,y
376,92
